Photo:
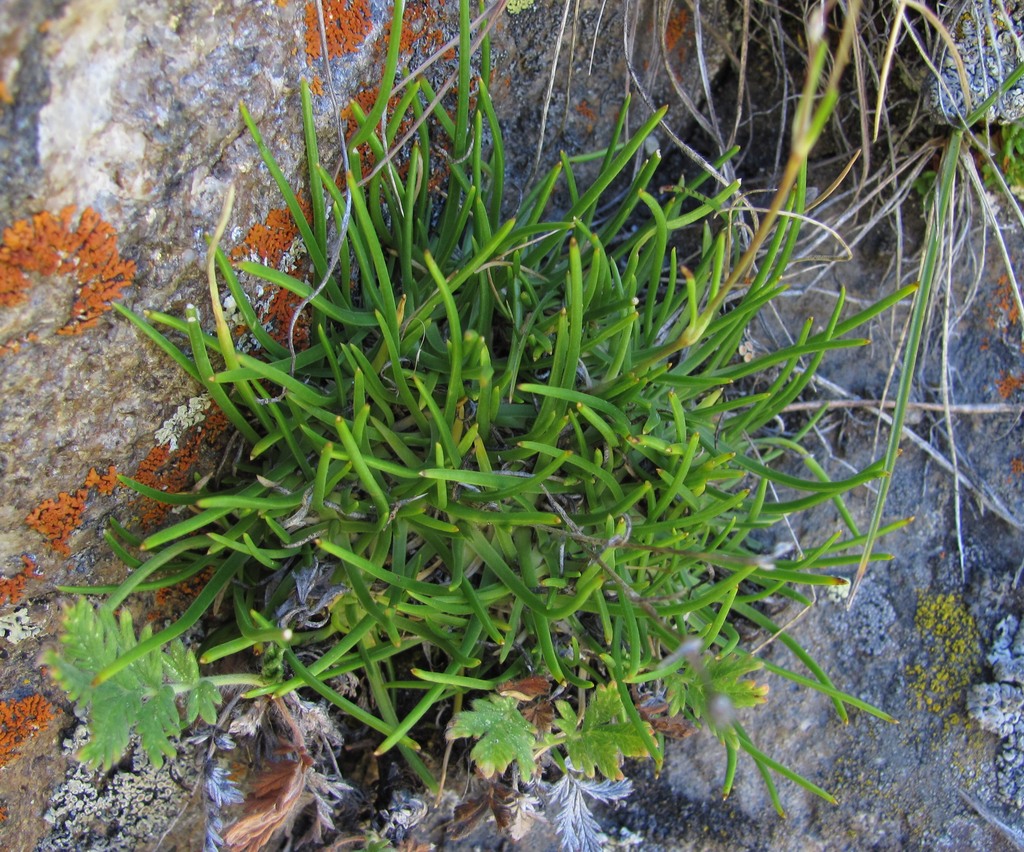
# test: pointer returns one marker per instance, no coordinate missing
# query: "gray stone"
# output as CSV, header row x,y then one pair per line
x,y
988,37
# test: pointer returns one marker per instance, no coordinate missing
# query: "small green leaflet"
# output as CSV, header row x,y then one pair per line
x,y
141,698
694,689
504,735
600,742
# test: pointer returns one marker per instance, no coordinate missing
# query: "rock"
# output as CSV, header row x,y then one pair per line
x,y
987,36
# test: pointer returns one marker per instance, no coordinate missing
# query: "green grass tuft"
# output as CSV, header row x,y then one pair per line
x,y
522,450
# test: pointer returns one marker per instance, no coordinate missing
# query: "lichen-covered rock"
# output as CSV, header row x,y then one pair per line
x,y
1007,652
120,131
130,808
871,621
999,708
988,36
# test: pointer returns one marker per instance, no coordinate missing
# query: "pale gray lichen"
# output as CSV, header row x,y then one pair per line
x,y
18,626
999,707
1007,654
124,810
184,418
989,37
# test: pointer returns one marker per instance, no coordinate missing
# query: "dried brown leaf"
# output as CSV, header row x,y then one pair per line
x,y
525,689
541,715
275,799
498,799
467,816
676,727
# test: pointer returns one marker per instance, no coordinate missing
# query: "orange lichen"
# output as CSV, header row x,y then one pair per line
x,y
1009,384
104,483
347,23
269,241
48,245
174,599
1004,312
588,114
365,100
31,245
676,27
5,94
152,463
12,589
170,471
101,272
420,30
58,518
316,86
277,319
20,720
1017,466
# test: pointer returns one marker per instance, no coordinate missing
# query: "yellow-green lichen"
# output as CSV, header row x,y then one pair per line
x,y
514,7
952,643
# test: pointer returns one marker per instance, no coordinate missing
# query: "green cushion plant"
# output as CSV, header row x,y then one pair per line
x,y
516,451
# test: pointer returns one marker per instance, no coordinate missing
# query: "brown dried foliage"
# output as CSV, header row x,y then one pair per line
x,y
526,688
513,812
676,727
274,802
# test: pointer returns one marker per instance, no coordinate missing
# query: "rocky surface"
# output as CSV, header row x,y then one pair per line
x,y
129,110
